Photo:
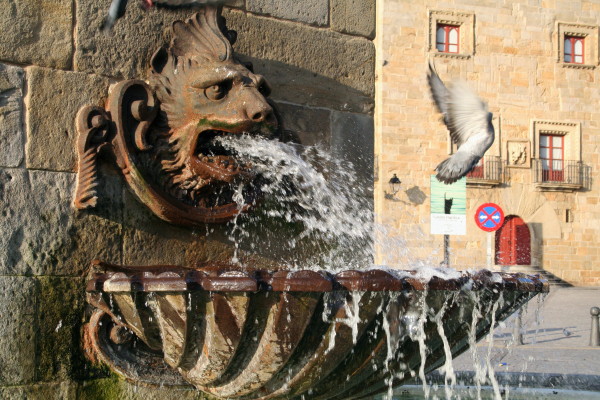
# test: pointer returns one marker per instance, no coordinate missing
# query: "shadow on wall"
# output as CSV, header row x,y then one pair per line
x,y
537,255
587,180
537,244
322,111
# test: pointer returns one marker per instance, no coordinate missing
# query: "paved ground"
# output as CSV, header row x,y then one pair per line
x,y
555,352
556,340
555,355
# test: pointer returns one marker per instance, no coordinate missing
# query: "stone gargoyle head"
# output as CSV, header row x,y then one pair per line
x,y
162,134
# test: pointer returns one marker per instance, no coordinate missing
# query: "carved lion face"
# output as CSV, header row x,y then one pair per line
x,y
204,93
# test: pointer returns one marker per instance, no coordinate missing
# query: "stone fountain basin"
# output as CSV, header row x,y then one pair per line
x,y
257,334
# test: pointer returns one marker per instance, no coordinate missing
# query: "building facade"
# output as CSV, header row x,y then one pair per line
x,y
536,65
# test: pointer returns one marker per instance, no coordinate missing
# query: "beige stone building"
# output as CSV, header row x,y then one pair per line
x,y
536,64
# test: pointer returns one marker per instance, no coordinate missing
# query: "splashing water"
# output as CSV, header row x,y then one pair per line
x,y
314,214
312,204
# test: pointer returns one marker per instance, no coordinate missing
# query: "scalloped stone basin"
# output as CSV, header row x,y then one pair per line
x,y
269,335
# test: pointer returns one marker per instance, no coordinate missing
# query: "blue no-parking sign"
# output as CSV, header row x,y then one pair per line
x,y
489,217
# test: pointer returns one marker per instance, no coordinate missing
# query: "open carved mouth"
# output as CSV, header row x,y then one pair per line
x,y
221,172
212,162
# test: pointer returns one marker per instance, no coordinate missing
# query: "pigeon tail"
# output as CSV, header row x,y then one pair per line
x,y
455,167
116,11
117,8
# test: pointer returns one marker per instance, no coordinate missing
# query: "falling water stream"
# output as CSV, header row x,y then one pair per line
x,y
314,215
311,198
315,203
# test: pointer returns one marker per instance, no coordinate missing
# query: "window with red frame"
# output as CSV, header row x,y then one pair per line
x,y
574,53
446,38
552,152
477,171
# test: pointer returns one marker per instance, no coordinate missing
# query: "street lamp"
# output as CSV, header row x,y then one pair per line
x,y
394,184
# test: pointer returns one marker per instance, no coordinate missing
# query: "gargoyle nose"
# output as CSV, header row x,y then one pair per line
x,y
258,110
260,113
260,116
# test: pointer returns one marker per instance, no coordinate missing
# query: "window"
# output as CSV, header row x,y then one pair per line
x,y
477,171
446,38
486,173
577,45
574,49
556,156
552,156
451,34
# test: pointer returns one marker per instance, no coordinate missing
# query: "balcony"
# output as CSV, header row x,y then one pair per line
x,y
487,173
560,175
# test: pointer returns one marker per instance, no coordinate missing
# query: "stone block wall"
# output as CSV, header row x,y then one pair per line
x,y
516,66
318,57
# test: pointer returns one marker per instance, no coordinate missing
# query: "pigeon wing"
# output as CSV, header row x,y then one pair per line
x,y
440,93
467,115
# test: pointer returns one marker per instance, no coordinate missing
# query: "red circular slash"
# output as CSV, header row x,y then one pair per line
x,y
488,217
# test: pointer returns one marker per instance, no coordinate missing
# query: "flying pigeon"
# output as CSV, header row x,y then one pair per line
x,y
470,124
117,8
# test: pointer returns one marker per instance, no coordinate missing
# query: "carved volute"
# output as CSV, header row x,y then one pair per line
x,y
161,134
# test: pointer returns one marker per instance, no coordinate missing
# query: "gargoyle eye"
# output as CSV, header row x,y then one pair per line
x,y
215,92
264,88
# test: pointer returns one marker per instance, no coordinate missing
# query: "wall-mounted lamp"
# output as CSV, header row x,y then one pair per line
x,y
394,186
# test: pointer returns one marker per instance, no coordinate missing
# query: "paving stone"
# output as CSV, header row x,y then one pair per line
x,y
62,390
113,388
556,334
147,240
43,234
60,311
348,61
301,86
352,140
308,126
17,331
37,32
54,99
314,12
12,137
356,17
125,52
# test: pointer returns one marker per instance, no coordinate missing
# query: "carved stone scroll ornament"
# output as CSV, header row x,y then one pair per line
x,y
161,135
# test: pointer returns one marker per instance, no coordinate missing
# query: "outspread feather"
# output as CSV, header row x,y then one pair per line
x,y
470,124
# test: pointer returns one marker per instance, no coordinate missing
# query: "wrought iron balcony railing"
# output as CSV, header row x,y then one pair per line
x,y
488,172
560,174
